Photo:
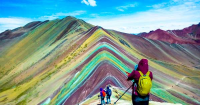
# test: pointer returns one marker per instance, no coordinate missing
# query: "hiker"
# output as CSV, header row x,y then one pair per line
x,y
140,93
108,93
102,95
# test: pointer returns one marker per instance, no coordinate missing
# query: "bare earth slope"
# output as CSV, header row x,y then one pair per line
x,y
189,35
66,61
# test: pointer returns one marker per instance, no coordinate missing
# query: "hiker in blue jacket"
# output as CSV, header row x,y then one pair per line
x,y
109,93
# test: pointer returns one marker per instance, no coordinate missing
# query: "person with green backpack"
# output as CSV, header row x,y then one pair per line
x,y
143,78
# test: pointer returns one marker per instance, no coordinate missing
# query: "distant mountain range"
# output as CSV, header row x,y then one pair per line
x,y
66,61
189,35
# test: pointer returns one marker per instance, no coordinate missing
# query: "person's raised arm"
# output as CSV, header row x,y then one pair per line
x,y
131,76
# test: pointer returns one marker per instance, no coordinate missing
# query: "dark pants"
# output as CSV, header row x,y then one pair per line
x,y
138,100
108,99
102,101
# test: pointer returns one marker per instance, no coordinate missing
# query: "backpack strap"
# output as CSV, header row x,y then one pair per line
x,y
141,74
148,73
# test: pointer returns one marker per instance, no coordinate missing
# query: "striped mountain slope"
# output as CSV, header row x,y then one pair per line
x,y
66,61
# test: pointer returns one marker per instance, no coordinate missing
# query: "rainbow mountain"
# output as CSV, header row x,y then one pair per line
x,y
66,61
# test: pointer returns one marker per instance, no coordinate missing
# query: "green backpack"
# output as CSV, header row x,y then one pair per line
x,y
144,84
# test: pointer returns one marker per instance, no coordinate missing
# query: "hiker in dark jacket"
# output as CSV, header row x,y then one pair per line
x,y
137,99
108,93
102,96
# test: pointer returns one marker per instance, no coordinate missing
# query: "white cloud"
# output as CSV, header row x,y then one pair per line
x,y
120,9
92,2
124,7
11,23
158,5
60,14
89,2
84,1
94,15
185,0
171,17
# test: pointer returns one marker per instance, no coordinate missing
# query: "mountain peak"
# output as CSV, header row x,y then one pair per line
x,y
98,27
159,30
175,36
70,17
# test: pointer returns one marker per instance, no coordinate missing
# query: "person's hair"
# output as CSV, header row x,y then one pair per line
x,y
107,87
137,69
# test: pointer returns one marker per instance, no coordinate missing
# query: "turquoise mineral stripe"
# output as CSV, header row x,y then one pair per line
x,y
88,69
163,94
186,96
111,47
106,45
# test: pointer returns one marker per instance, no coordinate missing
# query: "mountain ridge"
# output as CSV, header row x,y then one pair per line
x,y
188,35
63,59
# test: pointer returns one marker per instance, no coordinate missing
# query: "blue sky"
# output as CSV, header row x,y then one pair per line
x,y
131,16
